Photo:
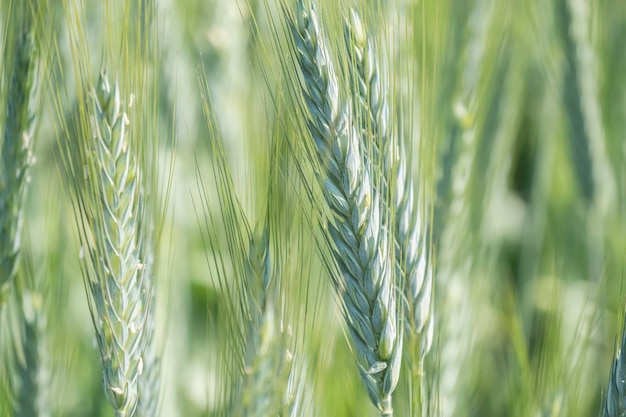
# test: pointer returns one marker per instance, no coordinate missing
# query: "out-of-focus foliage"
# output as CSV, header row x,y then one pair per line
x,y
518,116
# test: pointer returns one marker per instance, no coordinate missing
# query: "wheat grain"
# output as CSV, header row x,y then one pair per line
x,y
360,242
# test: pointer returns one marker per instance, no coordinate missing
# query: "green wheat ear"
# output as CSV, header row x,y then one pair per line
x,y
117,239
388,155
357,224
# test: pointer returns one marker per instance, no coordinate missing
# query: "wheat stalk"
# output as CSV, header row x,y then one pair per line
x,y
115,236
360,242
16,147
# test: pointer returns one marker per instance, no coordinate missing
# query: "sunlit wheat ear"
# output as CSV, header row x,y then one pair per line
x,y
356,231
111,201
389,157
16,147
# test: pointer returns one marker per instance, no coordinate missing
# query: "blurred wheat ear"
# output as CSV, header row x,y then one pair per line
x,y
30,358
256,353
266,363
16,148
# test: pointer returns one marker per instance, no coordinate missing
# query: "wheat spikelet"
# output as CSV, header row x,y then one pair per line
x,y
360,242
16,147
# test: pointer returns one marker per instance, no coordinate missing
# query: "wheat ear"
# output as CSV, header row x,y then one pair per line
x,y
266,363
112,209
390,157
16,148
16,156
358,238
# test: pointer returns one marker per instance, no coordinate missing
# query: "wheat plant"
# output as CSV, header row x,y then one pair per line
x,y
261,376
381,214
